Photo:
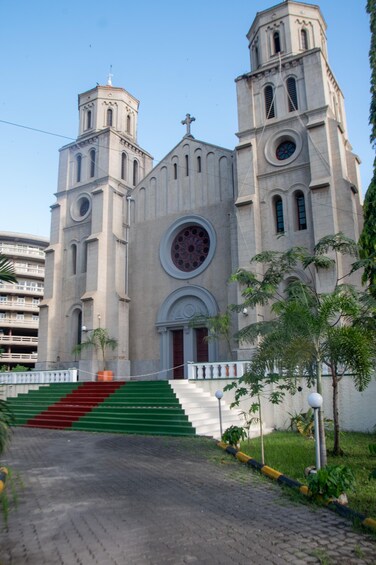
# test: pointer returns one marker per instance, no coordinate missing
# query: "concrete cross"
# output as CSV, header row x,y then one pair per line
x,y
187,122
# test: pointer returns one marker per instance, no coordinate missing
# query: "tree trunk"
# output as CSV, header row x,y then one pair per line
x,y
336,449
323,455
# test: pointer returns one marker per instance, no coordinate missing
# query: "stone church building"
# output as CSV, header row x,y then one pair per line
x,y
142,250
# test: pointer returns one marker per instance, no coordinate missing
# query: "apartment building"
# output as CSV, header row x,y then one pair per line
x,y
19,302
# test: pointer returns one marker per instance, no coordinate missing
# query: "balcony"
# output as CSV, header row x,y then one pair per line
x,y
21,288
18,306
18,340
19,251
16,357
14,323
30,271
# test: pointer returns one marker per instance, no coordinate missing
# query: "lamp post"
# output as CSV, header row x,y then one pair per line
x,y
315,401
219,395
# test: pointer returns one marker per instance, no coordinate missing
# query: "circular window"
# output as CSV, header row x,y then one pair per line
x,y
285,150
81,207
190,248
187,247
283,147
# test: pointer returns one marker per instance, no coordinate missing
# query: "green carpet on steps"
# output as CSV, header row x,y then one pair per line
x,y
136,407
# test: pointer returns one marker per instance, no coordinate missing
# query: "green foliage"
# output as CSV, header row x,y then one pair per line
x,y
233,435
290,453
331,481
303,423
6,420
99,340
372,448
20,369
367,241
371,9
336,329
7,272
219,327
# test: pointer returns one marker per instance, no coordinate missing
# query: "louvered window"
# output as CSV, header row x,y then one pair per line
x,y
292,94
280,225
269,102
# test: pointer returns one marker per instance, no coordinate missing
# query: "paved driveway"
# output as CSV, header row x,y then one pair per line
x,y
135,500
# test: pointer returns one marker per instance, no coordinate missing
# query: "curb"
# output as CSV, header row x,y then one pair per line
x,y
3,476
284,480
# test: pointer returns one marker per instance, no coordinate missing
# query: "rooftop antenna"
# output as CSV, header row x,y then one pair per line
x,y
110,75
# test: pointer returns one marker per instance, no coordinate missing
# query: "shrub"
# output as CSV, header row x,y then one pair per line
x,y
331,481
233,435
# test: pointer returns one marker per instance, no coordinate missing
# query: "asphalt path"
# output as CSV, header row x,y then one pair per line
x,y
85,498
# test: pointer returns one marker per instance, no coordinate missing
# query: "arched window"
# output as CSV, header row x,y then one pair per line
x,y
301,211
269,102
78,168
186,165
292,95
92,163
84,259
257,57
135,172
199,164
128,124
75,334
123,172
73,259
277,42
278,209
88,119
175,171
109,117
304,39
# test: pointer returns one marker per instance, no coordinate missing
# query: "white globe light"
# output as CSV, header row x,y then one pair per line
x,y
315,400
219,394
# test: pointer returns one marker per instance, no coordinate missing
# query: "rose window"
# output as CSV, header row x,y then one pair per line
x,y
190,248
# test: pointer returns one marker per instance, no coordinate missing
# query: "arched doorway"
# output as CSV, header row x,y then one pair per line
x,y
181,340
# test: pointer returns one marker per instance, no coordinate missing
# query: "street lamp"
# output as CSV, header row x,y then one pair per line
x,y
315,401
219,395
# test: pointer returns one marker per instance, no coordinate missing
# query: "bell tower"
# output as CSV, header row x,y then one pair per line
x,y
298,178
87,260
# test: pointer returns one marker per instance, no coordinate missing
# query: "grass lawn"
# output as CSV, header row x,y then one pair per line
x,y
290,453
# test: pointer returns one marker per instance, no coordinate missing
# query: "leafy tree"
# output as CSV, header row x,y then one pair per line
x,y
219,327
99,340
7,273
367,241
309,330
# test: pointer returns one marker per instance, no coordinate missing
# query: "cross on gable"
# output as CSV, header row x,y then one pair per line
x,y
187,122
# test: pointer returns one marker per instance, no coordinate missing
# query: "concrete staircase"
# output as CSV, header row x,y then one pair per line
x,y
202,409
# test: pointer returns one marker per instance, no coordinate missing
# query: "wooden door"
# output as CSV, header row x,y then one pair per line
x,y
178,354
202,349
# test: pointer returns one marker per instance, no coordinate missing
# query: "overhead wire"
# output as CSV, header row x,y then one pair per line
x,y
181,167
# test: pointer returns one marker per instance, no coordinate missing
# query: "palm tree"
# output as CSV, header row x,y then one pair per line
x,y
7,272
336,329
100,340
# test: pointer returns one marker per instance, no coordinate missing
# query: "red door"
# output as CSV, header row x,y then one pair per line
x,y
202,349
178,354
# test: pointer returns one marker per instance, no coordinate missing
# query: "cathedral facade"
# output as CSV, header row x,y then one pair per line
x,y
147,252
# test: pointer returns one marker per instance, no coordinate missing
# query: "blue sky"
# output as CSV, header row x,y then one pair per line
x,y
175,57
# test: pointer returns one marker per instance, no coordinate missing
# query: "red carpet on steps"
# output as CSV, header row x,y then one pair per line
x,y
76,404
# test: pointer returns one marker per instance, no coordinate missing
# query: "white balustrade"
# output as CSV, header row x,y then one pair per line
x,y
221,370
40,377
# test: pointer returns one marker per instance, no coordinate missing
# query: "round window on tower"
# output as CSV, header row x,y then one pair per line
x,y
81,207
283,147
285,150
187,247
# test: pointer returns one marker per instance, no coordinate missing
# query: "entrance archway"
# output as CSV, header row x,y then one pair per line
x,y
181,341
